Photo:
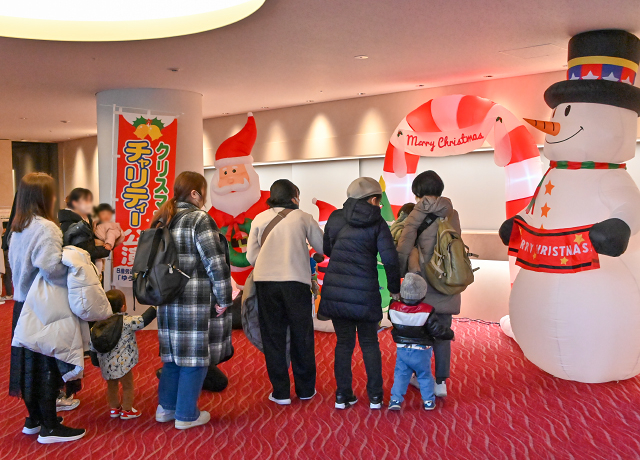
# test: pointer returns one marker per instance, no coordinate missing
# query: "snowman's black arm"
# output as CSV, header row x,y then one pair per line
x,y
610,237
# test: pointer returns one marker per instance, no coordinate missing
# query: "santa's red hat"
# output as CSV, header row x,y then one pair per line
x,y
237,148
325,210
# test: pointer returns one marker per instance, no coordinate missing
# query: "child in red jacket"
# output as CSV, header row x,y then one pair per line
x,y
414,329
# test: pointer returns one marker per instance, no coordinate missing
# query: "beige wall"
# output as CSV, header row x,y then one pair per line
x,y
362,126
347,128
6,174
79,160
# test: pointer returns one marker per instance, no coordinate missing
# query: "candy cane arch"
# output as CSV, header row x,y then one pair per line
x,y
454,125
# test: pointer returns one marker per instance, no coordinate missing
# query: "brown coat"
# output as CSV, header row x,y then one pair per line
x,y
409,257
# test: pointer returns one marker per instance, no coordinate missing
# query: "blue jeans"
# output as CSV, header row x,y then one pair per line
x,y
179,390
408,361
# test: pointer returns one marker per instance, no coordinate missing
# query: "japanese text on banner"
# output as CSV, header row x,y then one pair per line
x,y
145,173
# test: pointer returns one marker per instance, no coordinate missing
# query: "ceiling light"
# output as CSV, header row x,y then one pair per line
x,y
361,56
117,20
361,94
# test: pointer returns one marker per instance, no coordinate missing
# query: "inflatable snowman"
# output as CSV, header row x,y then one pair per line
x,y
575,303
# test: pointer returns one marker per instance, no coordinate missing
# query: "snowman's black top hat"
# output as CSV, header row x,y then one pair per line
x,y
602,68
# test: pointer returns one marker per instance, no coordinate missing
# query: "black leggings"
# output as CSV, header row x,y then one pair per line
x,y
36,378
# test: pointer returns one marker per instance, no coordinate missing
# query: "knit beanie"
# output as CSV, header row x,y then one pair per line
x,y
413,288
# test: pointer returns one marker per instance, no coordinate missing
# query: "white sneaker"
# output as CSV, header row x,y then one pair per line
x,y
414,381
440,390
64,404
204,418
281,402
164,415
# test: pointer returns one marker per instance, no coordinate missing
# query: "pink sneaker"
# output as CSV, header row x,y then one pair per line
x,y
114,413
127,414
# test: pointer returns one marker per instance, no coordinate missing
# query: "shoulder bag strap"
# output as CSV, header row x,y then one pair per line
x,y
275,221
431,218
180,215
426,223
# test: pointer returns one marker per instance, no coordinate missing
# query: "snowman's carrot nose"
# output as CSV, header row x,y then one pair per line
x,y
549,127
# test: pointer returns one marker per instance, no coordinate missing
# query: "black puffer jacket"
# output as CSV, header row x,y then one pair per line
x,y
416,324
77,232
353,237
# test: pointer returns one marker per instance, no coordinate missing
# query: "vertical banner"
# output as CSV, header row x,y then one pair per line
x,y
145,172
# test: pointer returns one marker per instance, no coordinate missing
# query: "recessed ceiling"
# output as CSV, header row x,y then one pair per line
x,y
292,51
118,20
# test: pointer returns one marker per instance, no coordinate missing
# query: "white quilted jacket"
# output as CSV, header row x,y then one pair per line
x,y
53,318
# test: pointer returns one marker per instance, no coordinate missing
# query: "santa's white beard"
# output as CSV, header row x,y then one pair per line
x,y
237,202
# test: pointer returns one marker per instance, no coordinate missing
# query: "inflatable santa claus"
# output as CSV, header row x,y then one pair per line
x,y
236,197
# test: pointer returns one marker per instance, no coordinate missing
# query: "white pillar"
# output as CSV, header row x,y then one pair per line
x,y
186,105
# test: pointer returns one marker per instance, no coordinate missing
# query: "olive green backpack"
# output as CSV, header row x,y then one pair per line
x,y
449,270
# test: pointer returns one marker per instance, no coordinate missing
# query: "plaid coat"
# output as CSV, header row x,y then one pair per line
x,y
189,331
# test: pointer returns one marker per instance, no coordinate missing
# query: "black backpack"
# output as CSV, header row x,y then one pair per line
x,y
157,279
105,334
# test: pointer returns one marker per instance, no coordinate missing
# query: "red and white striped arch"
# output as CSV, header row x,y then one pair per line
x,y
453,116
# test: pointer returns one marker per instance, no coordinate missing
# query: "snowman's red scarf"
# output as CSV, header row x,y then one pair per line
x,y
571,165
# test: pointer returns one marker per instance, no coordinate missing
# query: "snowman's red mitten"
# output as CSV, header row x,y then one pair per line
x,y
506,228
610,237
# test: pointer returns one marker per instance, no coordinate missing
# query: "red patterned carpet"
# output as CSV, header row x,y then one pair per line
x,y
499,407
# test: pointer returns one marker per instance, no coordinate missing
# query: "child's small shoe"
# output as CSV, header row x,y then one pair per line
x,y
429,404
395,405
127,414
115,413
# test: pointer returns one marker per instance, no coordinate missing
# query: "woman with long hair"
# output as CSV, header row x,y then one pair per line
x,y
194,330
35,247
277,248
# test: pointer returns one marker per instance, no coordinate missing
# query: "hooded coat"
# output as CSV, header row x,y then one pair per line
x,y
441,207
53,318
353,237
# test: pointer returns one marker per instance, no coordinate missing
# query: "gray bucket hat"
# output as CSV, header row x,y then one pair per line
x,y
364,187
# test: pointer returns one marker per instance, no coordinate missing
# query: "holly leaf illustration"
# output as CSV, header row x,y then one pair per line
x,y
158,123
139,121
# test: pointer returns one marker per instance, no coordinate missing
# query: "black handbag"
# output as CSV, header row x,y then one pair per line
x,y
105,334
